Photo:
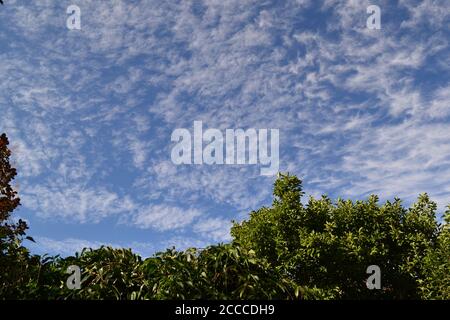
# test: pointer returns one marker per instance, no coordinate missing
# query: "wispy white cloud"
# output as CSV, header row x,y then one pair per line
x,y
217,229
75,204
65,247
163,218
69,246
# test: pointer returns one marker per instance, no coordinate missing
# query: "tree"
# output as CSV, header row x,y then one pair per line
x,y
13,257
9,232
436,281
221,271
330,245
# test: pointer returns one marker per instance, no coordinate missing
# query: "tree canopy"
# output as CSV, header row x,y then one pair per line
x,y
330,245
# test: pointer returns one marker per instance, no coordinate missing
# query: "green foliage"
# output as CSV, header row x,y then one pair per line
x,y
330,245
107,273
436,263
217,272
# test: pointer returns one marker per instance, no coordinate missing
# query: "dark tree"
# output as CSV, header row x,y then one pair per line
x,y
14,258
8,197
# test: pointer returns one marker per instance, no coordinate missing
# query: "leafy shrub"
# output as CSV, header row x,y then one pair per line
x,y
107,273
217,272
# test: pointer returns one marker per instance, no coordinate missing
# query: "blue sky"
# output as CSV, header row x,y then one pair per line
x,y
90,113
